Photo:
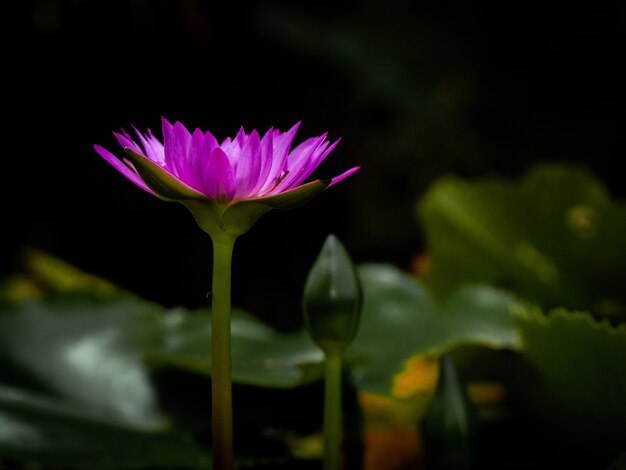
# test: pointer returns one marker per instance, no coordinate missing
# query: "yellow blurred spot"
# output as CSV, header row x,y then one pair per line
x,y
391,422
418,377
59,276
43,274
391,432
383,410
305,447
582,220
486,393
18,288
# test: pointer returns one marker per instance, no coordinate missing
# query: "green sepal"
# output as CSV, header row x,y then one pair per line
x,y
160,181
332,298
239,216
294,197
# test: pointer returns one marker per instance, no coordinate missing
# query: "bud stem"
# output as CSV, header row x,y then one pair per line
x,y
332,410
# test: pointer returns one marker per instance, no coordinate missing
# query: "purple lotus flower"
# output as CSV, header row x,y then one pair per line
x,y
249,171
245,167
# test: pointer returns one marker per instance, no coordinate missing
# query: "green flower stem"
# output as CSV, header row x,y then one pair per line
x,y
332,410
220,353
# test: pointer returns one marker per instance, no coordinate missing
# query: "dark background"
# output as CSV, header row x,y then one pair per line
x,y
416,90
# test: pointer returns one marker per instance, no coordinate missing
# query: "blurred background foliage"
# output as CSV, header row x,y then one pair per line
x,y
416,90
489,202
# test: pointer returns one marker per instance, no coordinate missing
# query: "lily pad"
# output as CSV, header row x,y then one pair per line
x,y
86,351
89,356
555,238
57,433
575,382
76,310
401,320
261,356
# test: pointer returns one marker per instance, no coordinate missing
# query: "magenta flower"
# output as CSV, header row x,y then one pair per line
x,y
227,185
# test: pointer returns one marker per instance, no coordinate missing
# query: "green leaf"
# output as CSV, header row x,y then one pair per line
x,y
555,238
261,356
576,382
87,351
75,346
61,434
90,354
401,320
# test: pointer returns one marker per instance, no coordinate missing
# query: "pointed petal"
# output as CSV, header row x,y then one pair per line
x,y
265,161
198,155
176,140
316,159
282,144
123,169
126,142
160,180
234,148
166,126
343,175
211,140
299,161
219,176
247,171
167,129
153,149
